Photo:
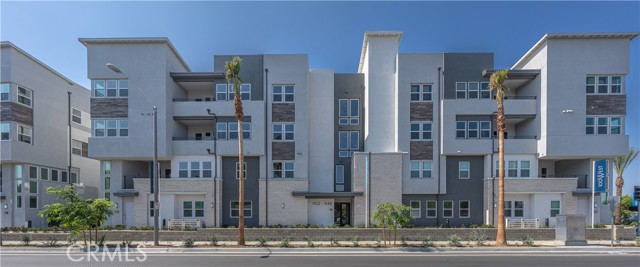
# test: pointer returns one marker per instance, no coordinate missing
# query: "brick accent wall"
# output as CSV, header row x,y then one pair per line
x,y
109,108
421,111
283,150
421,150
606,104
15,112
283,112
324,234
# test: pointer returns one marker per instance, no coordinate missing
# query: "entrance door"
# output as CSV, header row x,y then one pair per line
x,y
342,214
127,212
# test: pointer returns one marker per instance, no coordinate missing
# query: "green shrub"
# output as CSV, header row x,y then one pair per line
x,y
72,238
479,237
427,241
527,241
52,241
309,241
126,243
286,242
638,241
213,240
262,241
188,242
403,241
26,239
120,227
454,240
356,241
335,242
101,240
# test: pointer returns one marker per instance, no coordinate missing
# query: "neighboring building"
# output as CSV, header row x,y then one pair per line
x,y
325,148
45,129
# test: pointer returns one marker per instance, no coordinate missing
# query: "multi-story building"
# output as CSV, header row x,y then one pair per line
x,y
45,128
325,148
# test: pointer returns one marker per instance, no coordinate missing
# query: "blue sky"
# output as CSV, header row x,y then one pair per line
x,y
330,32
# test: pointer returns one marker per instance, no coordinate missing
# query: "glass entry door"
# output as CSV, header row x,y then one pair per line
x,y
342,214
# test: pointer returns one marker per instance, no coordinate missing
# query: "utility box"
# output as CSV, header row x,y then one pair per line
x,y
571,230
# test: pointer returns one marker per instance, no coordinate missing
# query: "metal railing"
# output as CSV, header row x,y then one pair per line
x,y
516,97
522,223
205,99
184,224
191,138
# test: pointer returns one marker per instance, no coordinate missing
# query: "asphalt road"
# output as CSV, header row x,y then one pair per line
x,y
333,260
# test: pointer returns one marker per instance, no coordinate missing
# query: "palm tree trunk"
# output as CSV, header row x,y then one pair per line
x,y
619,185
241,185
501,238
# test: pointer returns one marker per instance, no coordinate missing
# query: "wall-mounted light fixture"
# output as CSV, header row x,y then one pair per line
x,y
567,111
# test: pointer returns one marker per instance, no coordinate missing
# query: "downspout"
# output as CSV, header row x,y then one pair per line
x,y
266,147
69,125
215,164
440,74
369,185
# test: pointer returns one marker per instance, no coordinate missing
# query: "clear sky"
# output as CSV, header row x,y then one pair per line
x,y
329,32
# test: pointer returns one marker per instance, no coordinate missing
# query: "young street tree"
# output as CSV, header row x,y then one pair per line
x,y
391,216
498,87
233,77
620,164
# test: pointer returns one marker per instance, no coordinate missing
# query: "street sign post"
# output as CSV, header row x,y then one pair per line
x,y
598,184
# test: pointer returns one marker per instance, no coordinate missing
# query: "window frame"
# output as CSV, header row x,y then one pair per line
x,y
476,90
283,93
558,210
467,209
461,130
250,209
421,130
424,89
5,92
418,210
445,209
121,91
460,170
5,131
28,95
244,170
75,116
484,88
286,169
285,135
348,117
434,209
459,90
75,148
422,168
21,133
609,85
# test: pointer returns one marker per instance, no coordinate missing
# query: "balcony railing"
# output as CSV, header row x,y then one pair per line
x,y
190,138
516,97
205,99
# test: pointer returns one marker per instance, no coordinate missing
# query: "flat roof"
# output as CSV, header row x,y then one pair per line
x,y
548,36
136,40
375,34
11,45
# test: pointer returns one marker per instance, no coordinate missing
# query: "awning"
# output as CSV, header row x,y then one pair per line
x,y
583,192
126,193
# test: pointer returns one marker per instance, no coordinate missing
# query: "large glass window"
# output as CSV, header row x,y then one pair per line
x,y
5,92
283,131
24,134
348,142
235,209
192,209
421,130
415,209
25,96
463,208
5,131
283,93
464,169
283,169
111,128
603,125
349,111
421,169
110,88
421,92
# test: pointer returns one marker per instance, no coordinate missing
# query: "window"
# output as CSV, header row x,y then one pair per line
x,y
283,132
24,96
74,178
226,92
64,176
283,93
432,209
33,202
235,209
447,209
591,84
415,211
221,92
244,170
525,168
420,130
221,130
474,90
5,131
554,208
107,183
76,147
603,125
616,84
485,92
33,187
421,169
5,92
485,129
107,196
339,178
512,168
33,172
113,88
110,128
206,169
193,209
151,209
76,116
591,125
54,175
195,169
463,208
283,169
472,129
18,202
349,111
245,91
421,92
514,208
463,169
461,129
24,134
183,169
233,130
348,142
604,84
44,174
461,90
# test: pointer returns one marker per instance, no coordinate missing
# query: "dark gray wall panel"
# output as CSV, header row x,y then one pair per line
x,y
283,112
464,67
421,150
251,71
347,86
283,150
421,111
230,189
465,189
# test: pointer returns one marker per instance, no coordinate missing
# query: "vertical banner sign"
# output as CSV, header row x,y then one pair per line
x,y
600,176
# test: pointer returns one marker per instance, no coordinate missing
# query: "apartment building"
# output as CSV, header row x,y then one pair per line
x,y
45,127
325,148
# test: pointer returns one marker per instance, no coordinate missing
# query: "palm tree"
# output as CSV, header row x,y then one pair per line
x,y
496,84
233,76
620,164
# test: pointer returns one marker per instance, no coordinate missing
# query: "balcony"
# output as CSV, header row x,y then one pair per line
x,y
199,146
537,185
583,146
197,107
513,105
519,144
